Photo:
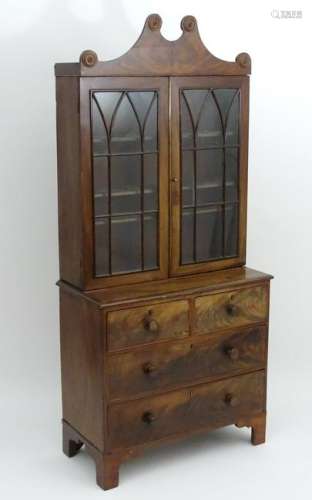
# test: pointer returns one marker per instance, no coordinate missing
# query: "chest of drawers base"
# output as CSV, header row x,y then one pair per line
x,y
162,364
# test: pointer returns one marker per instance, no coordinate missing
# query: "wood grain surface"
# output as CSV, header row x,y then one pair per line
x,y
146,324
170,365
154,418
232,309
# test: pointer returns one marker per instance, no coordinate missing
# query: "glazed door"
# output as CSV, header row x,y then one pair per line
x,y
125,161
209,139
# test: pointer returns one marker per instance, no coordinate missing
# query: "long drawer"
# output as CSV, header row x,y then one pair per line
x,y
170,365
231,309
207,405
141,325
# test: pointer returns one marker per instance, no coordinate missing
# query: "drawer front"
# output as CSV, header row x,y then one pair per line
x,y
206,405
150,323
149,369
231,309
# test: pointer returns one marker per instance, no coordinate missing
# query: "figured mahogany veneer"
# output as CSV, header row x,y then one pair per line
x,y
145,324
137,372
230,310
216,404
164,331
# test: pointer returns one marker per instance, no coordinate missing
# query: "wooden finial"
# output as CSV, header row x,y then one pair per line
x,y
154,22
88,58
243,59
188,23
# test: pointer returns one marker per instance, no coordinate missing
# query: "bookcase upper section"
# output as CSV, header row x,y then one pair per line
x,y
154,55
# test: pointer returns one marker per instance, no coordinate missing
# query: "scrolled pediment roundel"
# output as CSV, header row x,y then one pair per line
x,y
154,22
88,58
188,23
244,60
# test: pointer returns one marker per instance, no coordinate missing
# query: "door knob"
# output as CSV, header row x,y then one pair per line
x,y
233,353
149,368
148,417
231,309
232,400
151,324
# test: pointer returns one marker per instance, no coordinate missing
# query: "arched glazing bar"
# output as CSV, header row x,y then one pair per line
x,y
118,142
205,117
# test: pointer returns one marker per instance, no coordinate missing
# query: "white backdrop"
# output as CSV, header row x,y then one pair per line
x,y
34,35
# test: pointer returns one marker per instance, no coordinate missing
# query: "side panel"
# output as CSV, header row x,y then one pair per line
x,y
68,161
82,359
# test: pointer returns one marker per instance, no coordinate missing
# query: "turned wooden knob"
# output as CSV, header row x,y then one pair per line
x,y
149,368
231,309
151,324
232,400
148,417
232,353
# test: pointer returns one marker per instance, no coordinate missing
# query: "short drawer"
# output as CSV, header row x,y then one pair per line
x,y
146,324
207,405
170,365
231,309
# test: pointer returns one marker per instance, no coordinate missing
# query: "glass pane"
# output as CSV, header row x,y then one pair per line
x,y
99,132
209,228
187,138
228,101
195,99
231,230
150,182
126,183
209,131
126,244
125,154
232,123
125,133
150,241
102,247
141,102
232,168
188,178
106,102
211,161
150,128
200,114
209,176
224,99
100,186
187,236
